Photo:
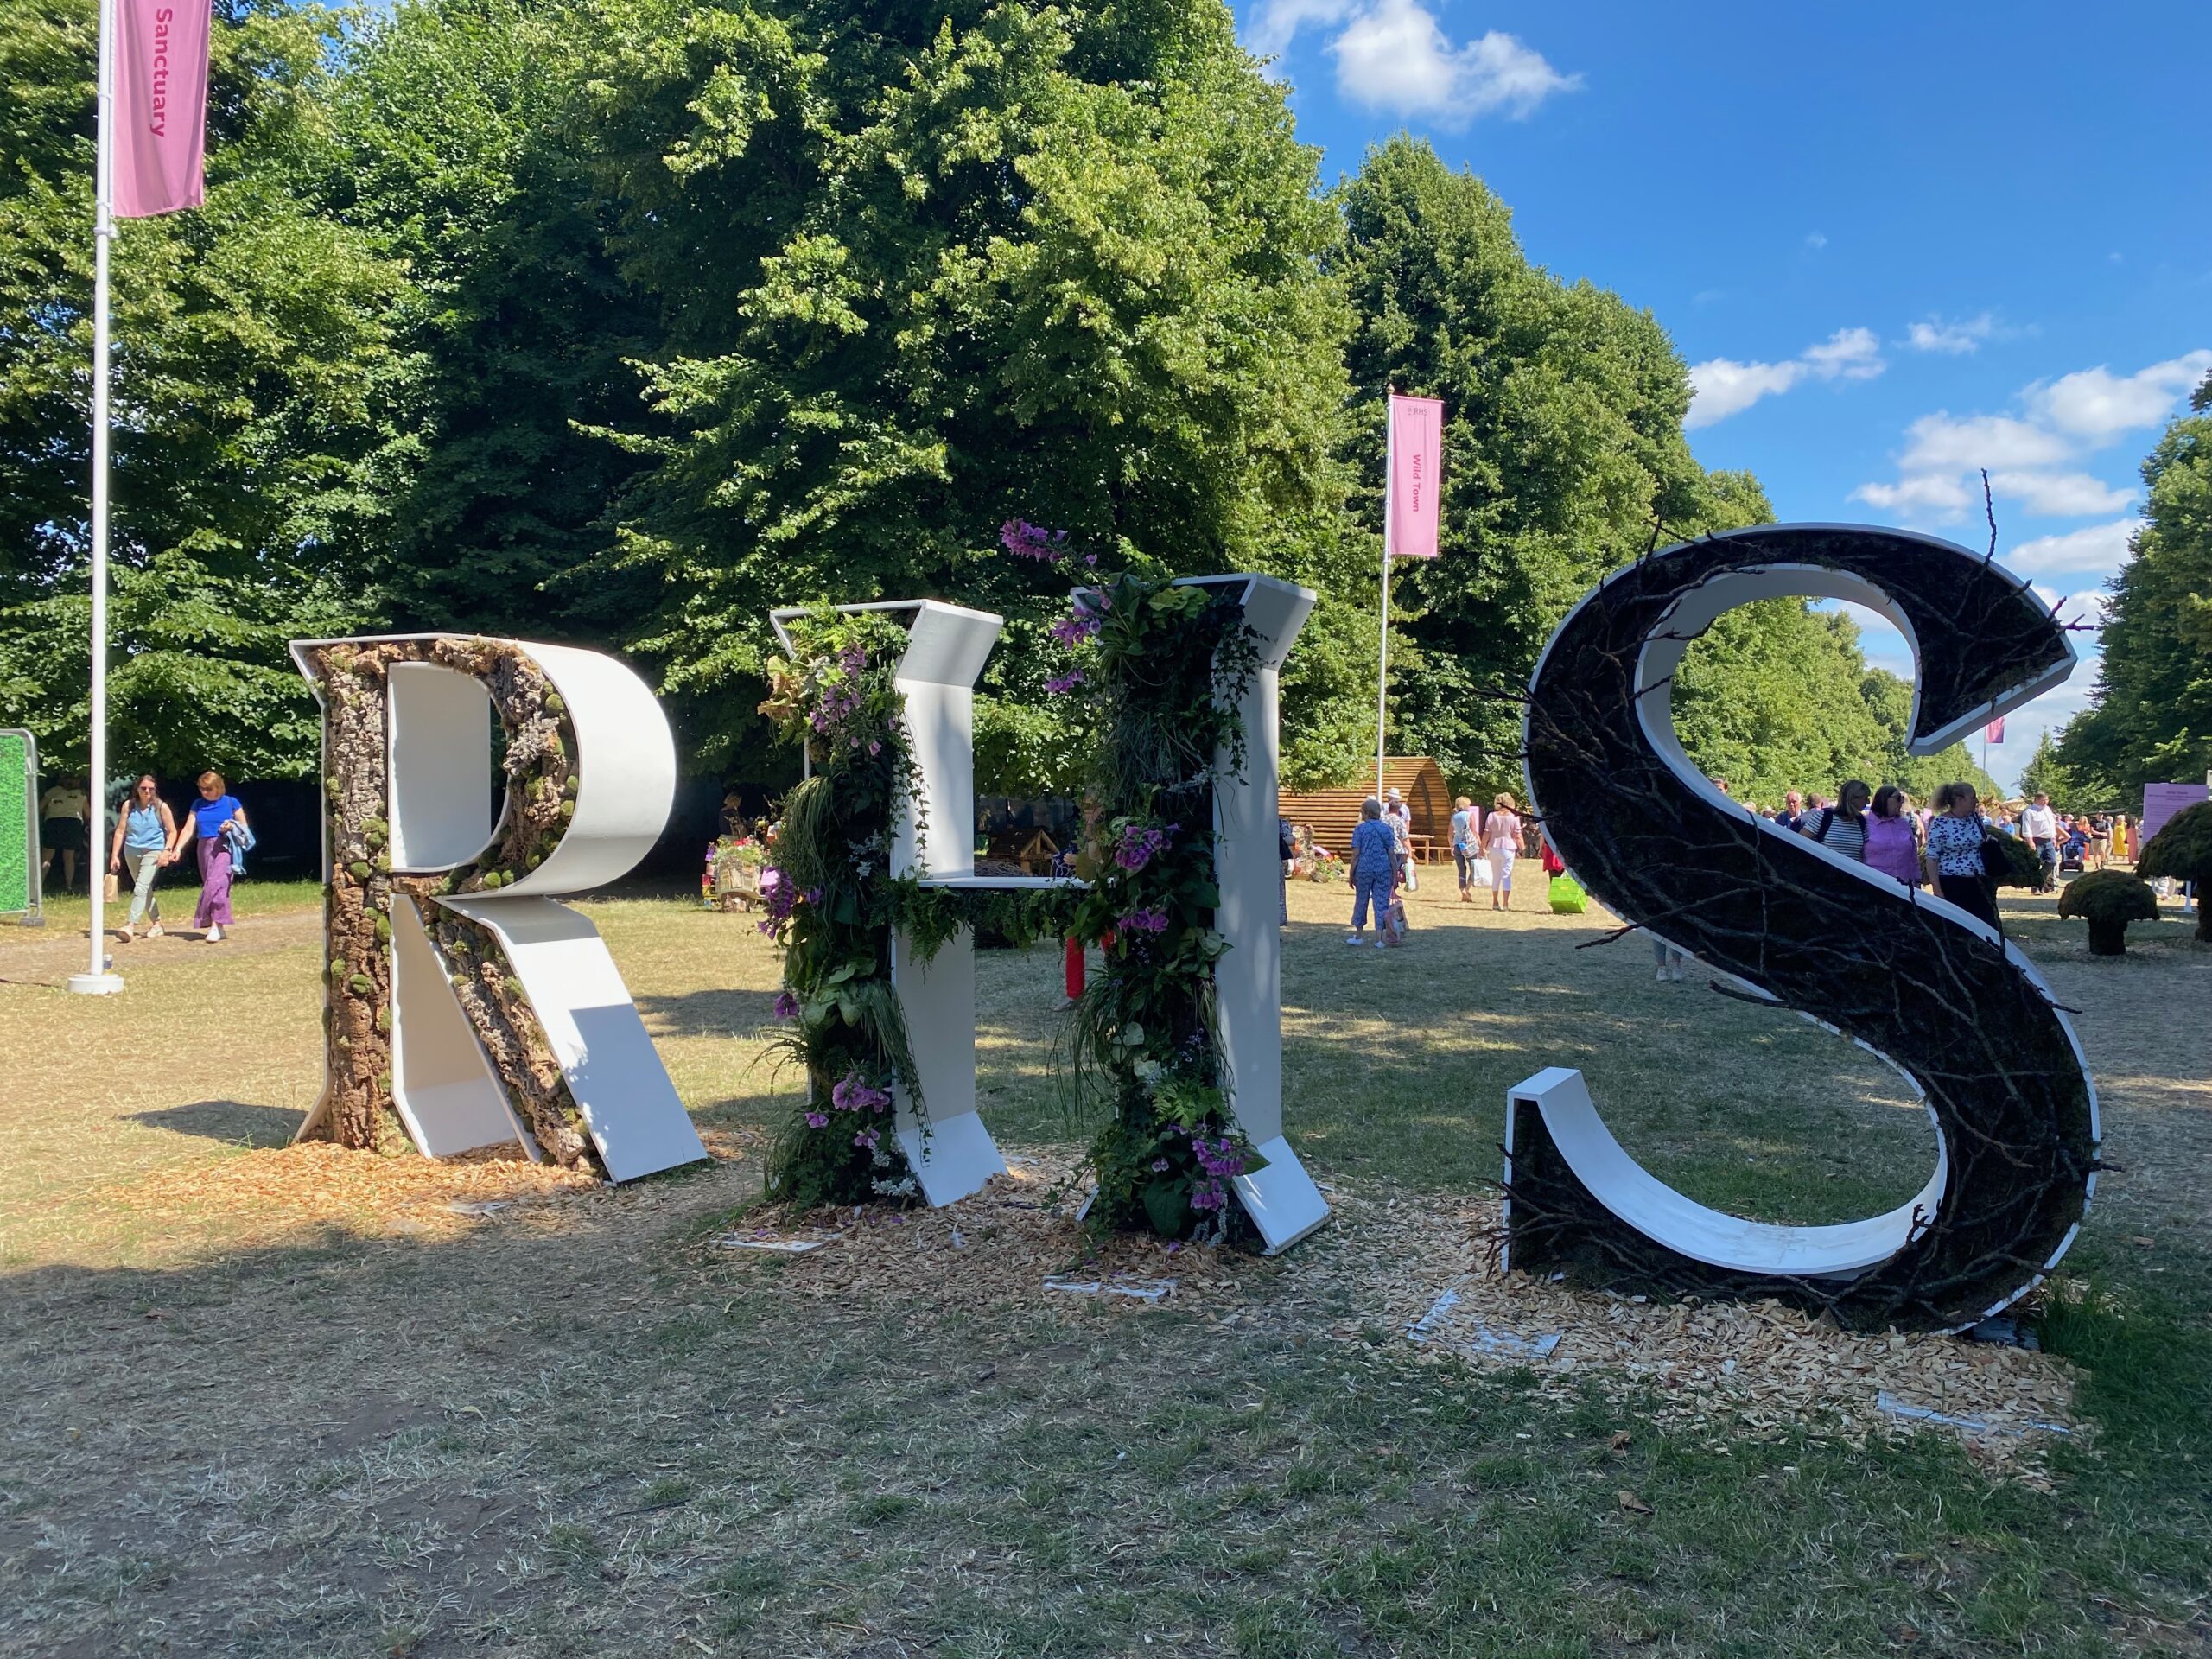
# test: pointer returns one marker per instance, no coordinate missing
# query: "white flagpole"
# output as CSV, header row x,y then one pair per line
x,y
97,981
1383,667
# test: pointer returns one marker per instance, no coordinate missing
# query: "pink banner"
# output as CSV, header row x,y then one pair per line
x,y
160,105
1416,473
1994,732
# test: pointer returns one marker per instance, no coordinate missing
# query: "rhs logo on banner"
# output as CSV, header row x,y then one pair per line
x,y
1416,473
161,105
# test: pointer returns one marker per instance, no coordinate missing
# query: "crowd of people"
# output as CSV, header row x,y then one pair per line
x,y
145,838
1940,848
1891,832
1484,847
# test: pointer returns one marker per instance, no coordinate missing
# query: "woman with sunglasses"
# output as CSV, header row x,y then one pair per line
x,y
210,819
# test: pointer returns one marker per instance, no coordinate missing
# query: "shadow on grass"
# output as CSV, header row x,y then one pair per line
x,y
709,1014
187,1475
233,1122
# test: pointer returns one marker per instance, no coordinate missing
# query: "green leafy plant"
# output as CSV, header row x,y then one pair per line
x,y
2108,900
828,895
1165,668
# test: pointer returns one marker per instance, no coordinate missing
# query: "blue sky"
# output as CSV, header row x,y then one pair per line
x,y
1897,243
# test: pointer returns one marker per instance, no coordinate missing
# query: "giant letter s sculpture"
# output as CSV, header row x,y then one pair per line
x,y
1915,980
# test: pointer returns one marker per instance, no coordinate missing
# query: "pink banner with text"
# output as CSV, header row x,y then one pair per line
x,y
161,105
1416,471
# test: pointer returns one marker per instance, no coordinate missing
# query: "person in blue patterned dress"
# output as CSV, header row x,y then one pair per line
x,y
1374,859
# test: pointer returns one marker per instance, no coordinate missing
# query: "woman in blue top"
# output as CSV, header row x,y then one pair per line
x,y
141,834
210,816
1374,869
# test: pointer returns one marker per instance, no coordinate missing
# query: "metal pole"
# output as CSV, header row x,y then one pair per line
x,y
1383,667
96,981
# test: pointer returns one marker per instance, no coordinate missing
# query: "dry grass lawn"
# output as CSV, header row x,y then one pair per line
x,y
263,1401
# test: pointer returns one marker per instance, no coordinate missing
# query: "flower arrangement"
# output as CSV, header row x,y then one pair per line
x,y
1165,668
1319,864
740,853
826,898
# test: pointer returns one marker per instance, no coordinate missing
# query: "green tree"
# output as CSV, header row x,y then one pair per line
x,y
2046,774
973,264
1563,444
1776,696
1920,776
454,149
2150,717
256,388
1769,698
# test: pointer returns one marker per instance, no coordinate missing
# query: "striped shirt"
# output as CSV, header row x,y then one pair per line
x,y
1837,831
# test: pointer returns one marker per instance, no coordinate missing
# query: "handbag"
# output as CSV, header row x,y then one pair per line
x,y
112,887
1567,897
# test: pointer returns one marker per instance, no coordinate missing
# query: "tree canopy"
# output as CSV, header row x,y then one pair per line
x,y
257,387
1776,696
624,321
2150,717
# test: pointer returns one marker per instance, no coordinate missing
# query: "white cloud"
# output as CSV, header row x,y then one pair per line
x,y
1854,353
2097,549
1938,443
1394,55
1815,240
2027,455
1276,22
1953,338
2098,405
2059,495
1720,386
1919,496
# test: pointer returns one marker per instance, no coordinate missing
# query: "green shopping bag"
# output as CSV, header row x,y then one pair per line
x,y
1567,897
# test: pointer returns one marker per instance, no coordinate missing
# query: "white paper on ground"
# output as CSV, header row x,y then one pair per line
x,y
779,1246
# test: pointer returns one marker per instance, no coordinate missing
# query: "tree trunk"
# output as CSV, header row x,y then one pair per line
x,y
2107,938
2203,915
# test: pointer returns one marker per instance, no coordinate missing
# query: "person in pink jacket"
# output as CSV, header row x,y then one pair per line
x,y
1893,844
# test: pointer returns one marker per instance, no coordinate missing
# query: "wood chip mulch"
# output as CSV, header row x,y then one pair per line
x,y
1377,1271
1405,1270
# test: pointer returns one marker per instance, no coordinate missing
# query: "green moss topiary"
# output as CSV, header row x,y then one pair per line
x,y
2182,850
2023,864
2108,900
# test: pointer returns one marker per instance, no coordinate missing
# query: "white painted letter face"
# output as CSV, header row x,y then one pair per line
x,y
464,1029
937,674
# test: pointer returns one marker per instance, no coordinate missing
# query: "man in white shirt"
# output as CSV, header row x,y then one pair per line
x,y
2040,825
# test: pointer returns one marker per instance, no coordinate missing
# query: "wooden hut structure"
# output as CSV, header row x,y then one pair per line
x,y
1331,814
